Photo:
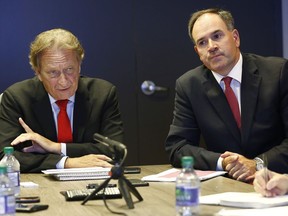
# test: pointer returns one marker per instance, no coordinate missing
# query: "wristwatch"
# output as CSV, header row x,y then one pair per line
x,y
259,163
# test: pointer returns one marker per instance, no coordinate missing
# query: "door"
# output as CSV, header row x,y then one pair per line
x,y
164,52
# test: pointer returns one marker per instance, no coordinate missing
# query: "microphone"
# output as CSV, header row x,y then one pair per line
x,y
117,146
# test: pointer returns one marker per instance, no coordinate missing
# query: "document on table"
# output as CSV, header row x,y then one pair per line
x,y
244,200
171,174
279,211
79,173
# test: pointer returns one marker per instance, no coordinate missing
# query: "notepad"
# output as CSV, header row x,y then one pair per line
x,y
279,211
171,174
79,173
244,200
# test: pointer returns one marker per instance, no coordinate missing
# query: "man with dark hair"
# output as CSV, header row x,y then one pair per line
x,y
237,102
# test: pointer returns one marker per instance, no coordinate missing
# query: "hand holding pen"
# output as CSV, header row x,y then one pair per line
x,y
270,183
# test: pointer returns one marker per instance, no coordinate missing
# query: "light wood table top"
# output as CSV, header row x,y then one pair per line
x,y
159,197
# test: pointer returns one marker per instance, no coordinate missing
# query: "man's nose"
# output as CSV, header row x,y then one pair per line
x,y
62,78
212,45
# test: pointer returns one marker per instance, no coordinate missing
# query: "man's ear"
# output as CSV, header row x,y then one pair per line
x,y
196,50
236,37
38,74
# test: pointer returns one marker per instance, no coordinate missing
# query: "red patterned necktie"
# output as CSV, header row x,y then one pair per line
x,y
232,100
64,126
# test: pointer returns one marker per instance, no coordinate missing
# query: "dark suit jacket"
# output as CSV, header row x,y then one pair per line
x,y
202,109
96,110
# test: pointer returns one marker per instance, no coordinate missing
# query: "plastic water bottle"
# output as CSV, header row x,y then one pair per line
x,y
13,168
7,197
187,189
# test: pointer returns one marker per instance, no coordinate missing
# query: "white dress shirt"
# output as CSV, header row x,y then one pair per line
x,y
55,109
236,74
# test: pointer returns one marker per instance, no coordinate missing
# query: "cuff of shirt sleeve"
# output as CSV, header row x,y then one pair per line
x,y
219,164
63,149
61,163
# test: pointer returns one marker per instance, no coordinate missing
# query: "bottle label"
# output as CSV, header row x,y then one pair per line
x,y
15,178
187,196
7,205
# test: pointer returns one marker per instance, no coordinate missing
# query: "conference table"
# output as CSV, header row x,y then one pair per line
x,y
158,197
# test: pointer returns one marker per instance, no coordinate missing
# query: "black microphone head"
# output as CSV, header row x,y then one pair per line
x,y
115,147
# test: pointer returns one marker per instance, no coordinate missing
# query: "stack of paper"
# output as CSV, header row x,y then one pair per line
x,y
244,200
79,173
171,174
279,211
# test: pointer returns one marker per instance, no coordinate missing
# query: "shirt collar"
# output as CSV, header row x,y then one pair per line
x,y
235,73
52,100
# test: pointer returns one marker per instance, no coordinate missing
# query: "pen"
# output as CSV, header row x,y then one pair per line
x,y
265,167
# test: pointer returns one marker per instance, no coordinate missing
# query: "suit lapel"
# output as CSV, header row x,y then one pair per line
x,y
82,110
249,93
44,114
218,100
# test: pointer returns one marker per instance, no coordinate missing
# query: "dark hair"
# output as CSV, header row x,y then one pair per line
x,y
226,16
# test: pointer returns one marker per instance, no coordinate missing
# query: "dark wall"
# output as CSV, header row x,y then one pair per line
x,y
103,27
107,27
127,42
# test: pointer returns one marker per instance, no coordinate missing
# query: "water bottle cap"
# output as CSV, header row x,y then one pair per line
x,y
8,150
187,161
3,169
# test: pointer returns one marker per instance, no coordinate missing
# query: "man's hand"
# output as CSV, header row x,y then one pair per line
x,y
40,144
90,160
238,166
270,183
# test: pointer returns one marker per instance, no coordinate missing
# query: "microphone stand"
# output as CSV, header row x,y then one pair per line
x,y
125,186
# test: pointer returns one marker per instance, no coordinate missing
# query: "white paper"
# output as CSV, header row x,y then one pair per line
x,y
171,174
29,185
279,211
244,200
76,170
79,173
